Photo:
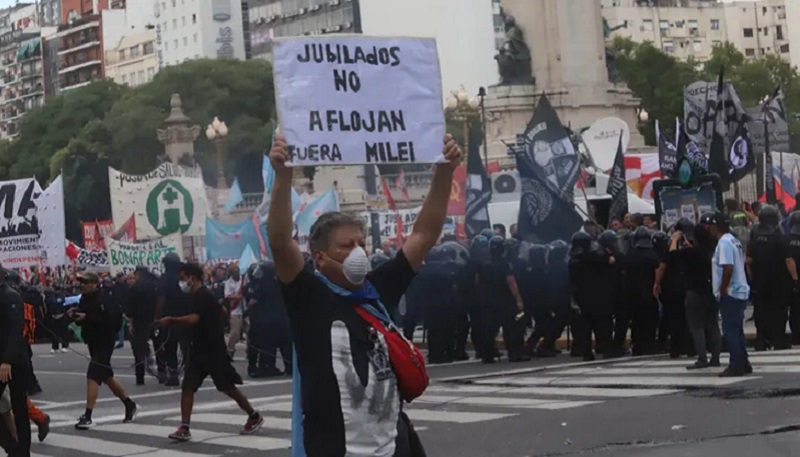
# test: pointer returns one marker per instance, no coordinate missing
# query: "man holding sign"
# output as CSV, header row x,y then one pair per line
x,y
351,393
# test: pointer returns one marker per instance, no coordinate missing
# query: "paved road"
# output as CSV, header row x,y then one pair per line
x,y
648,407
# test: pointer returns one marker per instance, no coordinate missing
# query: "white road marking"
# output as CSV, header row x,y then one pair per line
x,y
755,359
504,402
457,417
554,391
766,369
276,423
260,443
684,381
82,374
83,443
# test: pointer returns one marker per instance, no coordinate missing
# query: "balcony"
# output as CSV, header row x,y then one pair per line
x,y
9,78
77,64
84,42
10,96
32,91
30,73
78,81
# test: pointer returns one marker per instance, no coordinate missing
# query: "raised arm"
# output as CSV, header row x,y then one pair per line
x,y
430,221
287,256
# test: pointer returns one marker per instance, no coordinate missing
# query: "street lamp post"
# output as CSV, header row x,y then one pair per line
x,y
217,131
482,96
463,109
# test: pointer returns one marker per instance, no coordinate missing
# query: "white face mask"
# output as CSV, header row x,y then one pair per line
x,y
184,286
356,266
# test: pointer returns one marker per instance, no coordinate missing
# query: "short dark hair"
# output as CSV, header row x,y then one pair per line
x,y
500,227
322,228
731,205
191,269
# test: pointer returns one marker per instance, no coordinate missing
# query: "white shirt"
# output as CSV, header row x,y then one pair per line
x,y
729,252
232,289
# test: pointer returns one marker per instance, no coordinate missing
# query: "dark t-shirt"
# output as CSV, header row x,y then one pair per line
x,y
350,401
208,337
696,264
769,254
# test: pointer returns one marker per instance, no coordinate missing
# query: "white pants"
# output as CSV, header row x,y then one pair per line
x,y
236,332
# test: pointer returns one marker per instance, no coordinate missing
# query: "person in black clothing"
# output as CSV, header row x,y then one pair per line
x,y
208,353
352,399
625,296
504,293
692,252
269,325
172,302
533,287
142,297
14,369
670,288
456,265
56,319
32,296
590,271
794,249
432,292
771,267
100,320
558,294
642,267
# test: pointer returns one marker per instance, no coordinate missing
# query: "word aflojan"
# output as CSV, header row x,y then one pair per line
x,y
355,121
400,152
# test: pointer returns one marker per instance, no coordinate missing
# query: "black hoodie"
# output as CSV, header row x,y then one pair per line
x,y
13,348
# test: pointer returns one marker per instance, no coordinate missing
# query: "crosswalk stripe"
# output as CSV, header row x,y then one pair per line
x,y
256,442
767,369
755,359
683,381
457,417
505,402
90,445
282,407
276,423
554,391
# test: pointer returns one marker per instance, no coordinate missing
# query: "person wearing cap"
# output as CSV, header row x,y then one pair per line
x,y
100,321
14,368
729,283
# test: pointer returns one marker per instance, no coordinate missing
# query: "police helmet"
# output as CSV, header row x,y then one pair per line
x,y
581,244
557,252
378,259
769,216
171,259
479,241
794,223
487,233
685,226
642,238
497,246
608,239
455,252
660,242
512,247
537,255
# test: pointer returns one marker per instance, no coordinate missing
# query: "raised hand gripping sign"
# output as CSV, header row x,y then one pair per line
x,y
358,100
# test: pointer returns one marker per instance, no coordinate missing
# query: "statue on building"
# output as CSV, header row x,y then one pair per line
x,y
514,58
611,59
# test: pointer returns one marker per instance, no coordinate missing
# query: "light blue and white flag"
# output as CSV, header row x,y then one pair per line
x,y
234,196
325,203
248,258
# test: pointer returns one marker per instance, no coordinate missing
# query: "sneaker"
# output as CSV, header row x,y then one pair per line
x,y
44,429
748,369
130,413
699,365
253,423
84,423
182,434
64,350
732,373
52,351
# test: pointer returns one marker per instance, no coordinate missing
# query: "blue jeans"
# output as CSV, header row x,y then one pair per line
x,y
732,311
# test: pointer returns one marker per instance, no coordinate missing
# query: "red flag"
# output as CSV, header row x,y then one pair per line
x,y
393,207
401,184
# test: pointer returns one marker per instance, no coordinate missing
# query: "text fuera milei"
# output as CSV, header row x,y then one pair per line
x,y
352,72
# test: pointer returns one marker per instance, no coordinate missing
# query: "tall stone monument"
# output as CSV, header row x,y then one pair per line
x,y
179,135
566,42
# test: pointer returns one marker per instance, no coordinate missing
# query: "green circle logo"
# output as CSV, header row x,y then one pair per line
x,y
685,173
170,207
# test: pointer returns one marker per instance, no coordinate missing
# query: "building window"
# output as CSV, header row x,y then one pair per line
x,y
194,19
166,45
183,21
148,48
647,24
697,46
163,6
175,42
678,24
124,79
779,32
750,52
175,23
122,55
134,51
748,32
164,26
173,3
714,24
669,47
195,38
186,41
692,24
766,31
132,77
663,25
150,73
785,48
141,77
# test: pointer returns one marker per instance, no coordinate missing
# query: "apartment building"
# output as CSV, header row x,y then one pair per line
x,y
691,28
80,52
132,61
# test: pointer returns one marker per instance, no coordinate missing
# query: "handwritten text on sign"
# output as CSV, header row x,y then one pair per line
x,y
359,100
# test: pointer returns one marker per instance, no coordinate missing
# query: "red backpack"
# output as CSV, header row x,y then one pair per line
x,y
408,363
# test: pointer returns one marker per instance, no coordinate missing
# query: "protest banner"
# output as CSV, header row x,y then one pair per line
x,y
125,257
169,199
359,100
94,234
19,223
96,261
52,225
388,222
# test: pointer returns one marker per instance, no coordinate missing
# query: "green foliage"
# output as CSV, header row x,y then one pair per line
x,y
658,79
88,129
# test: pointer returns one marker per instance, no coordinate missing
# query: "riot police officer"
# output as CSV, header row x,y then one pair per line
x,y
643,262
558,293
768,254
794,249
534,292
172,301
588,270
456,258
269,323
625,298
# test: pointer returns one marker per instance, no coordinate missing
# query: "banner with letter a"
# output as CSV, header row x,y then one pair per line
x,y
169,199
19,223
359,100
125,257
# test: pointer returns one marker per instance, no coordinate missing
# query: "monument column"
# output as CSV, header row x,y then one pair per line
x,y
568,62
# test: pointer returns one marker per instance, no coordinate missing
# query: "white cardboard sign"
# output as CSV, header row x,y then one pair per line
x,y
359,100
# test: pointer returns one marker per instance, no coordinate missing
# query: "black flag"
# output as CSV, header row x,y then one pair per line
x,y
688,149
667,154
618,187
731,155
548,167
479,193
